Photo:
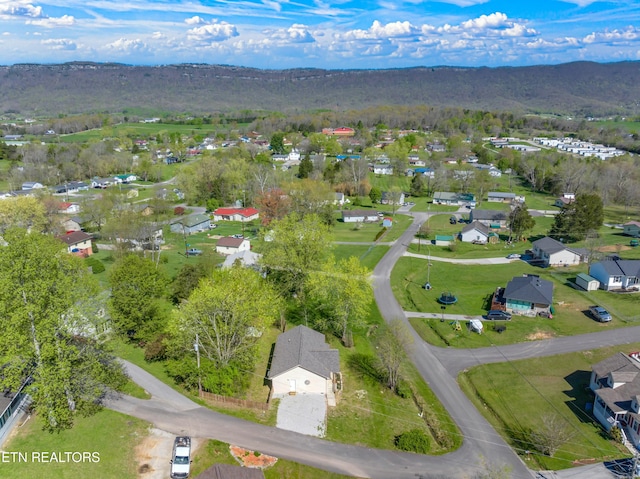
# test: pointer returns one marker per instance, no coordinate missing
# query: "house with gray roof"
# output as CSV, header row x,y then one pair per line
x,y
552,252
475,232
303,363
191,224
455,199
615,381
360,216
492,218
617,274
529,295
500,197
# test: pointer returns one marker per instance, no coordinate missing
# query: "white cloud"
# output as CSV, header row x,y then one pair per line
x,y
297,33
212,32
50,22
60,44
124,45
195,20
614,36
18,8
495,20
383,31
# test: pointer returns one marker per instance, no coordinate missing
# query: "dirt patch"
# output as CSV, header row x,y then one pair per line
x,y
253,459
614,248
539,335
153,454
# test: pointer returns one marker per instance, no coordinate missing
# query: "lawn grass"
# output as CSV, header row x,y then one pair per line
x,y
368,255
216,452
141,130
110,434
514,396
570,318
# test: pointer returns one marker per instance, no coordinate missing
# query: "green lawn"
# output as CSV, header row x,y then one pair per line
x,y
570,318
368,255
139,130
113,436
514,396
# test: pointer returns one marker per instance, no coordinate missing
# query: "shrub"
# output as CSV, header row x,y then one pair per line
x,y
94,246
414,440
155,350
95,264
380,233
403,389
178,211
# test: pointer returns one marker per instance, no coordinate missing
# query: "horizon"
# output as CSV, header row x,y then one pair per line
x,y
338,35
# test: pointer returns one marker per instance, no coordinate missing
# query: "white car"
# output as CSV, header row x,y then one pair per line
x,y
181,460
514,256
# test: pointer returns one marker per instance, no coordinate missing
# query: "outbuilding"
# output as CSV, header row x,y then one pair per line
x,y
587,283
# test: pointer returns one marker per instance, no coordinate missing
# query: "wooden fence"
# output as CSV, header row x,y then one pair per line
x,y
244,403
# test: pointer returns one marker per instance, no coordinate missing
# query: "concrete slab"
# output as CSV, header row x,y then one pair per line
x,y
303,413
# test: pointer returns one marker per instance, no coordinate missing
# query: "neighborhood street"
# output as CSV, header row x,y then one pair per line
x,y
439,367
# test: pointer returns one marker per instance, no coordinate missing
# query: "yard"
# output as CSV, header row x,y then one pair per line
x,y
514,396
570,305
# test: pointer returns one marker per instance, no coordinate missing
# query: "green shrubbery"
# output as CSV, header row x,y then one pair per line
x,y
413,440
95,264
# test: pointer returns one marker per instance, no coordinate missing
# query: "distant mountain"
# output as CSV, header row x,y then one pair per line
x,y
582,88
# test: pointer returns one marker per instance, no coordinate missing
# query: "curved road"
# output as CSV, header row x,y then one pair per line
x,y
439,367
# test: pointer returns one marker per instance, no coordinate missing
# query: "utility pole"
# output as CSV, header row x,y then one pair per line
x,y
196,346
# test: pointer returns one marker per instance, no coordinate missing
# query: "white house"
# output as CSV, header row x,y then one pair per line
x,y
553,253
32,185
230,245
616,274
69,208
236,214
303,363
500,197
615,382
246,258
360,216
475,232
383,169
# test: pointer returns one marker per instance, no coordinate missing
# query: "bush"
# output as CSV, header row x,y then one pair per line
x,y
155,350
380,233
414,440
94,247
178,211
403,389
95,264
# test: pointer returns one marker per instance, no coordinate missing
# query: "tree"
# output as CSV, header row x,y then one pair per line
x,y
294,247
228,311
375,194
22,212
394,342
305,168
41,288
520,220
553,431
579,218
274,205
341,294
277,143
136,289
418,188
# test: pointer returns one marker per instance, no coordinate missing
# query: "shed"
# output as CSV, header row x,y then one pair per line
x,y
444,240
587,282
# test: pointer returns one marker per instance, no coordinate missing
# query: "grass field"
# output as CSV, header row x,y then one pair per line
x,y
368,255
570,305
113,436
514,396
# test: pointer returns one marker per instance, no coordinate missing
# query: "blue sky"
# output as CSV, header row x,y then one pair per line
x,y
334,34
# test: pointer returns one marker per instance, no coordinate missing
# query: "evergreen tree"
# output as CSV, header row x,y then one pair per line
x,y
305,168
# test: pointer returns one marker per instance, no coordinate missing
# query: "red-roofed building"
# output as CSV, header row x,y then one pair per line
x,y
236,214
69,208
78,243
342,131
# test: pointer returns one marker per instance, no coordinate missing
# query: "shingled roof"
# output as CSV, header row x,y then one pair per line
x,y
306,348
530,289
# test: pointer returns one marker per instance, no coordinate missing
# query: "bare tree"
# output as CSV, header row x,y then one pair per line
x,y
553,431
393,345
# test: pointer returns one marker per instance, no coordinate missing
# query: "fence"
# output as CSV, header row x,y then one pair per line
x,y
244,403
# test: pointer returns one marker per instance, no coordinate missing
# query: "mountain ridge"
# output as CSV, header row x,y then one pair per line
x,y
577,88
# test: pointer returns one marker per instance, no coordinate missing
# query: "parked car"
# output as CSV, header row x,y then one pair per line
x,y
600,314
181,458
453,220
514,256
496,314
194,252
238,236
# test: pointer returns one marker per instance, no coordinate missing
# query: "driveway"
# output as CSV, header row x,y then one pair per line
x,y
303,413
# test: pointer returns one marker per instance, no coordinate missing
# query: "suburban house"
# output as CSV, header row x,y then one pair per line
x,y
32,185
615,381
385,199
416,161
126,178
69,208
500,197
339,199
78,243
428,172
528,295
231,245
74,186
72,224
475,232
102,183
191,224
632,228
144,209
553,253
616,274
236,214
246,258
342,131
382,169
564,200
491,218
456,199
360,216
303,363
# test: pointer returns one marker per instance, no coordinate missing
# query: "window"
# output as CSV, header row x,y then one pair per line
x,y
617,279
